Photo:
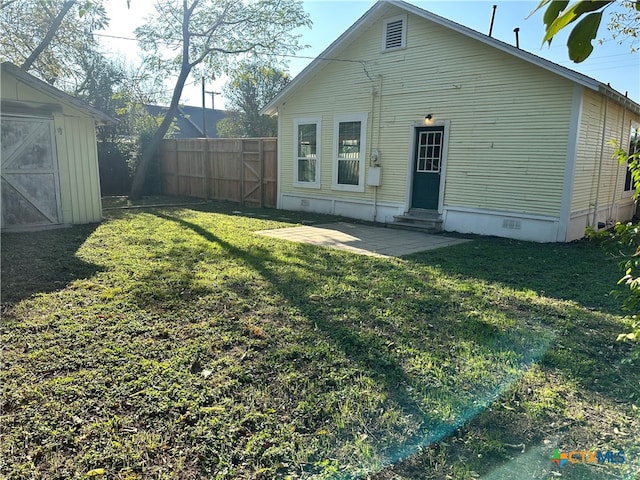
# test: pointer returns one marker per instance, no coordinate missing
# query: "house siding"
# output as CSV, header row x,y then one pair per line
x,y
508,119
524,156
598,185
76,151
78,169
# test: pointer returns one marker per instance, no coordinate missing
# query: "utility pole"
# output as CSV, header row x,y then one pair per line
x,y
213,102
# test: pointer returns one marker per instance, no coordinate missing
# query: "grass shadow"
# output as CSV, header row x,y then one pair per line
x,y
261,358
379,348
590,313
552,270
43,262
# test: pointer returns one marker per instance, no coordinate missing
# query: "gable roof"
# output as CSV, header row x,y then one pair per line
x,y
43,87
382,6
189,120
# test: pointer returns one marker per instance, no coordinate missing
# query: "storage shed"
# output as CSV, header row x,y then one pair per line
x,y
49,159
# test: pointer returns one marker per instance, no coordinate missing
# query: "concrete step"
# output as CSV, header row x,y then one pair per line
x,y
428,224
421,213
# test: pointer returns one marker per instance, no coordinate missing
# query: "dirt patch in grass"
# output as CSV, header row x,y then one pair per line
x,y
174,343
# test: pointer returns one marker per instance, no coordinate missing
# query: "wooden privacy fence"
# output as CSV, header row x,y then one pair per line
x,y
240,170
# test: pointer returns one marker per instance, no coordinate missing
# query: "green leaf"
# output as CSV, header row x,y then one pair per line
x,y
571,15
579,41
553,10
540,5
627,336
96,472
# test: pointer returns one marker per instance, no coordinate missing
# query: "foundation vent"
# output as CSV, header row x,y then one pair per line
x,y
511,224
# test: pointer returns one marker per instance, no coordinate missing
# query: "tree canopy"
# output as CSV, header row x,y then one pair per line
x,y
50,38
204,37
251,86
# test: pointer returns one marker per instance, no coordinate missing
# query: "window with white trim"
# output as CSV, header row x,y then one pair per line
x,y
634,147
394,33
306,132
349,133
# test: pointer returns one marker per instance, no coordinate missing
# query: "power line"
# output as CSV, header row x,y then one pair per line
x,y
114,36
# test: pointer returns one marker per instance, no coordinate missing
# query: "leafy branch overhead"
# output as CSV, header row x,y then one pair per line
x,y
588,15
50,38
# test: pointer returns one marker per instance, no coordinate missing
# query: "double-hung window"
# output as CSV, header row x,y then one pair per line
x,y
349,134
306,160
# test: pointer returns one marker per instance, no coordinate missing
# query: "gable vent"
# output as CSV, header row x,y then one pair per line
x,y
394,33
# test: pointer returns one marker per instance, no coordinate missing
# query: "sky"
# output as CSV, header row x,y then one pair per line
x,y
610,61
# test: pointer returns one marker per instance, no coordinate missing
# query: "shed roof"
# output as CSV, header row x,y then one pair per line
x,y
42,86
382,6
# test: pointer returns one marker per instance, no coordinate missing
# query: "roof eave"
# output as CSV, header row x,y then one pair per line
x,y
99,117
623,100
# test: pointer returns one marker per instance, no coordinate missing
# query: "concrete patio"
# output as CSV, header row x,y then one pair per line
x,y
363,239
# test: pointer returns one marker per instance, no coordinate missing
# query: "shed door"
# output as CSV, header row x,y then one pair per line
x,y
427,166
29,172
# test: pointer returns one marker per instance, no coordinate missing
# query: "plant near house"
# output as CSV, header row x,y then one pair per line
x,y
53,39
49,38
624,240
625,24
116,89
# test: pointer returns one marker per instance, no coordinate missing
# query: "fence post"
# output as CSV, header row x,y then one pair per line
x,y
261,179
206,169
242,166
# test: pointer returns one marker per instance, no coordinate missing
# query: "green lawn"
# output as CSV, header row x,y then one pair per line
x,y
174,343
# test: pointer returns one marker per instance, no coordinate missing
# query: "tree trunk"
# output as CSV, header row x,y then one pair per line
x,y
152,148
185,69
48,37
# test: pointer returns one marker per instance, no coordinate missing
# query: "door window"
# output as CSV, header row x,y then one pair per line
x,y
429,152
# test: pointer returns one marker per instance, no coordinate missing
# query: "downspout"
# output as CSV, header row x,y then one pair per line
x,y
377,161
371,155
278,157
379,112
615,185
375,155
594,223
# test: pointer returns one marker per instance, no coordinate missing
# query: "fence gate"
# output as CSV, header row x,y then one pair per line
x,y
252,172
